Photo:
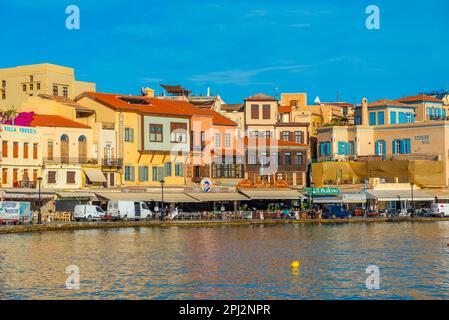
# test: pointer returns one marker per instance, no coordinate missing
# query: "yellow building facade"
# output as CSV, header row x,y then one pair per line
x,y
19,83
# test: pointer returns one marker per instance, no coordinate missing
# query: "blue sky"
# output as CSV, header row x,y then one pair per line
x,y
237,48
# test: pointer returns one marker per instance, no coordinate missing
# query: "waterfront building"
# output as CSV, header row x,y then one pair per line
x,y
104,136
427,107
21,157
19,83
389,146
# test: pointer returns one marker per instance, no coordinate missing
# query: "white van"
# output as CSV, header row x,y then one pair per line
x,y
87,212
440,209
128,210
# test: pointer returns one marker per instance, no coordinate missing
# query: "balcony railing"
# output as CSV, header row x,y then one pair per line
x,y
68,160
113,162
25,184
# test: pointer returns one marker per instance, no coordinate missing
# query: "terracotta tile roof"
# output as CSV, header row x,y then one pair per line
x,y
47,120
285,109
419,98
261,97
387,103
144,104
219,119
66,101
232,107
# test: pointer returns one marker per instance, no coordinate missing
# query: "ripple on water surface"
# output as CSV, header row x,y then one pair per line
x,y
244,262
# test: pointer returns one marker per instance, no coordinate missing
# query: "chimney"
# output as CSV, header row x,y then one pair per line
x,y
365,121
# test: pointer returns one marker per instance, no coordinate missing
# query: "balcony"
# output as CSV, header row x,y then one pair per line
x,y
68,160
278,168
25,184
112,162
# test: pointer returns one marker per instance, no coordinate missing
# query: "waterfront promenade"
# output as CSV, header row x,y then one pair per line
x,y
67,226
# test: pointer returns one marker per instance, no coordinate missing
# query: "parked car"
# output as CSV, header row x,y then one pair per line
x,y
128,210
336,211
373,214
87,212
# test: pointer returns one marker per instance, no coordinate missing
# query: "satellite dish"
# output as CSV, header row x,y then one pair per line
x,y
317,100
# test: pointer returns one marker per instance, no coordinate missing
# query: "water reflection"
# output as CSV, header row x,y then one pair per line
x,y
246,262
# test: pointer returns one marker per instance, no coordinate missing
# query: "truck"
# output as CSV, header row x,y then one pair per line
x,y
15,212
439,209
128,210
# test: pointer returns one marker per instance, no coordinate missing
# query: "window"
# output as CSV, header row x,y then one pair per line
x,y
24,87
15,177
168,169
35,148
372,118
380,148
254,133
65,92
299,158
393,119
325,148
178,132
293,103
217,140
397,146
227,140
157,173
55,91
268,134
31,86
4,149
50,150
350,148
15,150
252,158
4,176
266,111
288,158
143,173
380,118
254,111
25,150
129,173
51,177
38,86
129,135
70,177
299,137
156,133
31,78
342,148
357,120
179,169
35,175
285,135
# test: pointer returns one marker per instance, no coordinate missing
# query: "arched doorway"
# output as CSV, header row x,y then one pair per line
x,y
82,149
65,148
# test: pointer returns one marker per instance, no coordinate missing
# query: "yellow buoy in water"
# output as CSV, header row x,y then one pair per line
x,y
295,265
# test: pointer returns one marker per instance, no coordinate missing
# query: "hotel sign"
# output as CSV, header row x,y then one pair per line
x,y
424,139
19,130
324,191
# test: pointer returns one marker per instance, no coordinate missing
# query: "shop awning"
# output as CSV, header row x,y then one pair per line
x,y
353,197
126,196
17,194
326,200
76,195
94,175
395,195
217,196
173,197
272,194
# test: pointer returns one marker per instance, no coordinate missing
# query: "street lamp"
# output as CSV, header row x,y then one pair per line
x,y
39,215
162,202
311,194
413,203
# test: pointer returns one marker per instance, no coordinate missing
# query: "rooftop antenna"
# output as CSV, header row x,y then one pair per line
x,y
277,92
338,96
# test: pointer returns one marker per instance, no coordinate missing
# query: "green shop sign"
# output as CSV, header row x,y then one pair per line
x,y
324,191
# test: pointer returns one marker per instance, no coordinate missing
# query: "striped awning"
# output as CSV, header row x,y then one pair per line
x,y
94,175
126,196
174,197
218,196
272,194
